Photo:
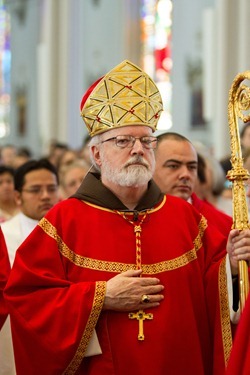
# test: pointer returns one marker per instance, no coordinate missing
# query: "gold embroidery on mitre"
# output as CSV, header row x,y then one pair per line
x,y
224,312
124,96
93,318
118,267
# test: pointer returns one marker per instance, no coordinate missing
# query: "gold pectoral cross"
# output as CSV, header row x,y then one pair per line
x,y
140,316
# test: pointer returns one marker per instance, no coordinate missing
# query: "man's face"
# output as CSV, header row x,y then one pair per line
x,y
176,168
6,187
39,193
129,166
72,179
8,155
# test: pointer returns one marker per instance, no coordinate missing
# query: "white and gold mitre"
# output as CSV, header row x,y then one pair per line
x,y
123,97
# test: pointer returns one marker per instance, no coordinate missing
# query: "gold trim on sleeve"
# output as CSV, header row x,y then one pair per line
x,y
93,318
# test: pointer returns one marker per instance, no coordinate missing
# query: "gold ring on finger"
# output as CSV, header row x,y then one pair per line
x,y
145,298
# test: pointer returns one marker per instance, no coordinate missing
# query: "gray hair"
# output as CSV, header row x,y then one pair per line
x,y
93,142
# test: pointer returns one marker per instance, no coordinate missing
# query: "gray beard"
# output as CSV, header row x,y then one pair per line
x,y
128,176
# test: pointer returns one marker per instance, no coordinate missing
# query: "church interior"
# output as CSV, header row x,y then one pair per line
x,y
197,54
52,51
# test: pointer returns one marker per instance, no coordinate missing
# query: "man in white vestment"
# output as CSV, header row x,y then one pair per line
x,y
36,191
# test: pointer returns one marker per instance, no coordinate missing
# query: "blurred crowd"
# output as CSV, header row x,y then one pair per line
x,y
71,165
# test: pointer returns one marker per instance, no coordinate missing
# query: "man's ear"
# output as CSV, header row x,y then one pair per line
x,y
96,154
17,197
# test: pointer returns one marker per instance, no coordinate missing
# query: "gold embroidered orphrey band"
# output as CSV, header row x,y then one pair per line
x,y
100,265
121,267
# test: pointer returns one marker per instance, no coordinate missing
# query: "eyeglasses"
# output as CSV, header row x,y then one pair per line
x,y
128,141
38,190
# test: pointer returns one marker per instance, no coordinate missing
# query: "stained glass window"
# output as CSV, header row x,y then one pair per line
x,y
156,28
5,68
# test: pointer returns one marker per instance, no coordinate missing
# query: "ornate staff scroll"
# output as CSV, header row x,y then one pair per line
x,y
238,107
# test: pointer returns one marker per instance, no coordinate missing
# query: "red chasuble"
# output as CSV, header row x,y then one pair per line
x,y
222,221
57,288
239,362
4,274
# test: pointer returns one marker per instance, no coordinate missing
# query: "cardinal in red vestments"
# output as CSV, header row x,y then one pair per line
x,y
120,278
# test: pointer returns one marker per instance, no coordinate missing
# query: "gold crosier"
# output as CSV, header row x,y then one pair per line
x,y
238,106
139,315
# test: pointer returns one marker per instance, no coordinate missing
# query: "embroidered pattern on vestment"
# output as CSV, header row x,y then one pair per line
x,y
224,312
93,318
117,267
